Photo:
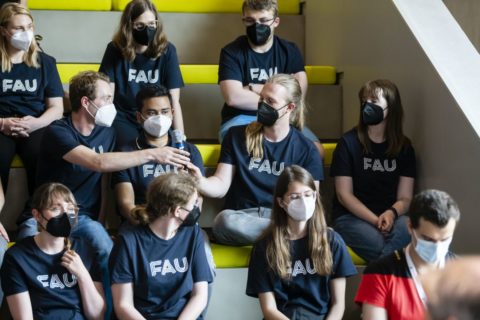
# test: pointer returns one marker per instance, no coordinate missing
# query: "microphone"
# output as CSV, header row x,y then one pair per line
x,y
178,139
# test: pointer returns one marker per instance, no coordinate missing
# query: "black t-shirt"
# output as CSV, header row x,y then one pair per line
x,y
141,176
255,179
306,288
162,272
130,76
60,138
24,89
54,292
375,176
239,62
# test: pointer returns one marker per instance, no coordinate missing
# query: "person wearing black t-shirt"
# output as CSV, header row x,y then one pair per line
x,y
298,268
49,275
30,92
247,62
374,170
138,55
252,157
155,114
159,269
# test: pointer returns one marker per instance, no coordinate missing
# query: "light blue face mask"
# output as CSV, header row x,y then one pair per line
x,y
432,252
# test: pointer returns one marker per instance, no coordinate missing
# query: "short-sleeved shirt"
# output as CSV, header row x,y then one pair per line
x,y
60,138
255,179
239,62
306,288
24,89
53,290
387,283
162,272
375,175
130,76
141,176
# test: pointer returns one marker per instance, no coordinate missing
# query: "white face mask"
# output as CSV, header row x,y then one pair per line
x,y
157,126
105,115
432,252
301,209
22,40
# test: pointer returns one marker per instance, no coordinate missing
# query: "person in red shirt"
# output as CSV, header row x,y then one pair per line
x,y
390,288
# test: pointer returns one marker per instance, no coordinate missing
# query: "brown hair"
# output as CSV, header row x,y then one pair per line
x,y
261,5
393,130
254,131
164,194
84,84
7,12
278,245
123,38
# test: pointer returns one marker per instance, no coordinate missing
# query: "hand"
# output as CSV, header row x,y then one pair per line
x,y
30,123
4,233
11,126
169,155
72,261
194,170
385,221
254,87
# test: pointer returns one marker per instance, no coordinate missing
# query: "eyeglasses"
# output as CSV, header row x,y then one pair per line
x,y
139,26
305,194
70,210
265,21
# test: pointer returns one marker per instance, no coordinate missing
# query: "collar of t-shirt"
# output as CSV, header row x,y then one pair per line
x,y
142,142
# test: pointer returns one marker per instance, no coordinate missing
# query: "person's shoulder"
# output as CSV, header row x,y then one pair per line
x,y
350,135
45,58
21,247
237,45
389,265
285,43
238,131
61,124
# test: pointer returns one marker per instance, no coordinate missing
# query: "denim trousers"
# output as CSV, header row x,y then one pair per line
x,y
367,241
240,227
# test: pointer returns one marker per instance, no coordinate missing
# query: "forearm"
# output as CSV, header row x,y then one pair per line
x,y
402,205
357,208
128,312
93,302
51,114
194,307
336,311
274,315
178,117
212,187
115,161
237,96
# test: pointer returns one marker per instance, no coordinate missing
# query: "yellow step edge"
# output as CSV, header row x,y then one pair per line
x,y
83,5
210,154
230,257
209,6
202,74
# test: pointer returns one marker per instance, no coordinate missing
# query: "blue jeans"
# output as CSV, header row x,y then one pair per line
x,y
240,227
93,233
367,241
244,119
3,248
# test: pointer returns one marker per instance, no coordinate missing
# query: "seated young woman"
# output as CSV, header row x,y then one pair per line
x,y
299,266
374,170
47,276
159,269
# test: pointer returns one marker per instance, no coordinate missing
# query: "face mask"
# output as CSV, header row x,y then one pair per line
x,y
267,115
61,225
432,252
192,217
301,209
145,36
22,40
371,114
157,126
258,33
105,115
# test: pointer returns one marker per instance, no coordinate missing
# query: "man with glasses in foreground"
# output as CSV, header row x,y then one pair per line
x,y
247,62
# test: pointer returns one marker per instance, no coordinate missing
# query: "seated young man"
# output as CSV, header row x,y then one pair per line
x,y
390,287
247,62
155,114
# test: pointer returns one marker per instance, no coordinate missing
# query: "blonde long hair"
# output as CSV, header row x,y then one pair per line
x,y
123,38
7,12
254,131
277,235
164,194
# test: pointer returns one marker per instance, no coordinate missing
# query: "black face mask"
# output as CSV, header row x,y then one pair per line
x,y
267,115
258,33
192,217
145,36
61,225
371,114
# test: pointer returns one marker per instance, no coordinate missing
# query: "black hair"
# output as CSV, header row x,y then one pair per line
x,y
434,206
151,91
